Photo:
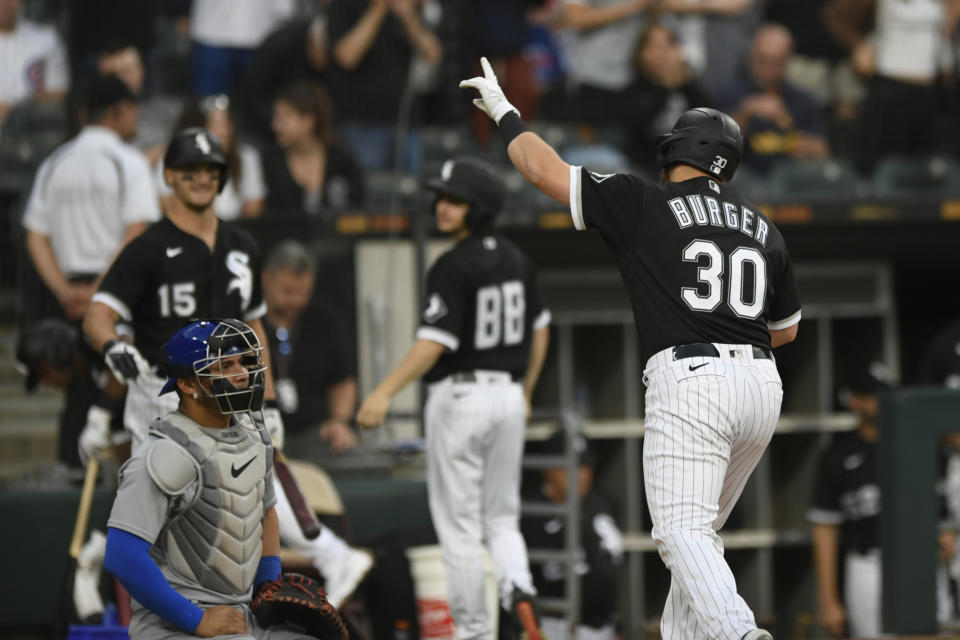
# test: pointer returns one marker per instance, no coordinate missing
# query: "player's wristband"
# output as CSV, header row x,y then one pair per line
x,y
270,404
268,570
511,125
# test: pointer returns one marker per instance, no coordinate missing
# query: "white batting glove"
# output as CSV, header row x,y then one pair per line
x,y
95,436
491,101
124,360
273,421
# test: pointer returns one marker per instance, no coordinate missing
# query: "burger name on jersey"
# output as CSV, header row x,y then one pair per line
x,y
696,209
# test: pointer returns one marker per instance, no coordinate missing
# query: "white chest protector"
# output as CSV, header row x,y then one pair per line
x,y
218,479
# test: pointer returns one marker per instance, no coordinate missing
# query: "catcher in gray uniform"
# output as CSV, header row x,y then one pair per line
x,y
193,529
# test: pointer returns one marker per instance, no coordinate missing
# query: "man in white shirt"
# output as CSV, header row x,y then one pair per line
x,y
34,61
90,197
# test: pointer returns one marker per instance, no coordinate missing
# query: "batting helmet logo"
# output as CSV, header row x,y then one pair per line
x,y
202,143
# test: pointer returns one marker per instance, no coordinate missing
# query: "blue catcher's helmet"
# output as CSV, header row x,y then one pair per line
x,y
193,350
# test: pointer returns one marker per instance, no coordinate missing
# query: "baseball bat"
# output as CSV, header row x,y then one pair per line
x,y
308,522
65,607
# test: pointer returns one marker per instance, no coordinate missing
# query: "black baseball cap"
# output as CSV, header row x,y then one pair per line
x,y
868,380
50,341
105,91
556,445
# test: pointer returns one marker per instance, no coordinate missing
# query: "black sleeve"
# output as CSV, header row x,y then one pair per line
x,y
126,280
535,304
257,307
825,504
785,303
611,203
443,311
342,15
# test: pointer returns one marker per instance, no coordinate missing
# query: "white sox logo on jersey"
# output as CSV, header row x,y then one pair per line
x,y
238,263
435,310
202,143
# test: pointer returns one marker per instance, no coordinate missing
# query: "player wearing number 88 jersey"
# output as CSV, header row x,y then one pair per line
x,y
481,344
712,290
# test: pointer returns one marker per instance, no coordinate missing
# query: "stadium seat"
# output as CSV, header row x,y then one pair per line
x,y
386,191
814,178
917,175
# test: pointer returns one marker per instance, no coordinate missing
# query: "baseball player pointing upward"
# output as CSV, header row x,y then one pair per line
x,y
480,346
712,291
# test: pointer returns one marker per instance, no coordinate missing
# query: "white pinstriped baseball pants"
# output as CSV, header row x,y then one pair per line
x,y
475,435
706,429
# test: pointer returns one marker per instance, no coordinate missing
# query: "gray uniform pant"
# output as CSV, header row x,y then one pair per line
x,y
147,625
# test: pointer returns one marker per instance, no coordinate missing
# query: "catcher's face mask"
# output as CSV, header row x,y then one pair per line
x,y
233,372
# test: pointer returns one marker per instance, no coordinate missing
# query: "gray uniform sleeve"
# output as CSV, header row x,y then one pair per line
x,y
140,508
269,494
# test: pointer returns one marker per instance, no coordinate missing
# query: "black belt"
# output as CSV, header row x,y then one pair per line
x,y
707,350
471,376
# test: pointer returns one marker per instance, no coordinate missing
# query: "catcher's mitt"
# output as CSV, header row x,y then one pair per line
x,y
297,601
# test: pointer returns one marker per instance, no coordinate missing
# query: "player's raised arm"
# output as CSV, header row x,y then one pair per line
x,y
536,160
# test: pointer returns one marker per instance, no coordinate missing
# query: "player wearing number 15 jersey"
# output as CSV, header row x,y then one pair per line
x,y
480,345
712,290
187,265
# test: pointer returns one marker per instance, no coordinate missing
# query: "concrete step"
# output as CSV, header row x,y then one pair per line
x,y
28,421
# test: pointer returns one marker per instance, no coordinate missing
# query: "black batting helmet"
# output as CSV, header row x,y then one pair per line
x,y
52,342
196,146
707,139
475,182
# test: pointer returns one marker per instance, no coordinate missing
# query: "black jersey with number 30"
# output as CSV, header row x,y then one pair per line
x,y
700,264
482,304
165,276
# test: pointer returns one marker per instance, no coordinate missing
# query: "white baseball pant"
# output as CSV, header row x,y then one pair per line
x,y
862,592
475,436
708,422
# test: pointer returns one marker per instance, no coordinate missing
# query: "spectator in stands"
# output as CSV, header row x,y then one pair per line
x,y
498,30
34,61
715,36
372,47
298,50
604,37
225,34
314,371
308,170
245,192
600,540
92,24
779,121
902,60
157,112
662,89
90,197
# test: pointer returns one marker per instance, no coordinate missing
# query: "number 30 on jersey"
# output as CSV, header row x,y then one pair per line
x,y
744,304
500,314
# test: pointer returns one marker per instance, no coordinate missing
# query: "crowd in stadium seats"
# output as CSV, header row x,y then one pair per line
x,y
853,81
